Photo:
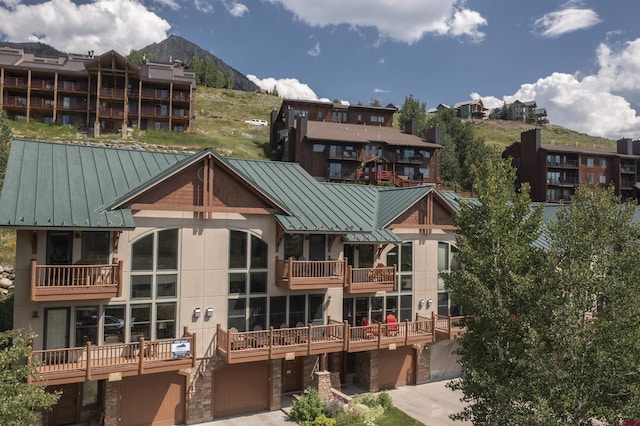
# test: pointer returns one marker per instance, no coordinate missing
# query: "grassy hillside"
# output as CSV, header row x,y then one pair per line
x,y
220,124
503,133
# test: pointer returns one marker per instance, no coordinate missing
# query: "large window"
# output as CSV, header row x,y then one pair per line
x,y
154,288
248,272
447,260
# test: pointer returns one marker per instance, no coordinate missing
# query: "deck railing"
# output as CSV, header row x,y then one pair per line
x,y
371,280
310,274
448,327
94,362
237,347
75,282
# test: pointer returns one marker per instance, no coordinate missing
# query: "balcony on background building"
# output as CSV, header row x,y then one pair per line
x,y
370,280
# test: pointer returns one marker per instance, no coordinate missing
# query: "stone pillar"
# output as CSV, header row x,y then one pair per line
x,y
322,382
367,370
276,384
200,392
423,364
111,397
310,365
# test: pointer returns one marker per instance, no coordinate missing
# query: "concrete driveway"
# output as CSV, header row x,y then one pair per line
x,y
431,404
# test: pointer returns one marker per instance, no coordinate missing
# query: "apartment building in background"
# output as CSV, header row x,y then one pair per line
x,y
354,143
555,171
98,94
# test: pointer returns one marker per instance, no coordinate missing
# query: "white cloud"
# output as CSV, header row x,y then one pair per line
x,y
101,25
237,10
601,104
172,4
381,61
315,50
376,90
203,6
405,21
287,87
560,22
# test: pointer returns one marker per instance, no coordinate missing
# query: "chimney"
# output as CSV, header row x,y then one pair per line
x,y
411,127
433,135
625,146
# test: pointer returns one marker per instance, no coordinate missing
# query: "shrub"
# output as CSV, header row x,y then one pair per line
x,y
307,408
321,420
385,400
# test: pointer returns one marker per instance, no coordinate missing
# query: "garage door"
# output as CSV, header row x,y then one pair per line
x,y
152,399
395,368
240,389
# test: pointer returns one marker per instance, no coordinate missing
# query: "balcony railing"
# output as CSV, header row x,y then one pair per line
x,y
566,181
567,164
15,82
447,327
75,282
310,274
239,347
371,280
97,362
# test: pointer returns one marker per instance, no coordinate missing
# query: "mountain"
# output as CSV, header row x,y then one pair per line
x,y
38,48
178,48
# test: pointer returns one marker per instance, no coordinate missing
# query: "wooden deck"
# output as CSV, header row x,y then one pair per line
x,y
294,274
447,328
72,365
75,282
310,274
289,343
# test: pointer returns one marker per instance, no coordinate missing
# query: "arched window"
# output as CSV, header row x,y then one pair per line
x,y
154,286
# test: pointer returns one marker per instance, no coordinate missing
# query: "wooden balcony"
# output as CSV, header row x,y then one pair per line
x,y
239,347
370,280
75,282
448,327
73,365
310,274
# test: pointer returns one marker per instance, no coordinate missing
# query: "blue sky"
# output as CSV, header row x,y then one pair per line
x,y
578,59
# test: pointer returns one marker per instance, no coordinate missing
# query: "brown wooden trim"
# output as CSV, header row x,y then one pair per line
x,y
210,209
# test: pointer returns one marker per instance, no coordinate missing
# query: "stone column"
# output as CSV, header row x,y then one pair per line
x,y
322,382
276,384
111,397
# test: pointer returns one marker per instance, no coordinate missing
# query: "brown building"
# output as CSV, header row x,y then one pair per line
x,y
334,142
555,171
102,94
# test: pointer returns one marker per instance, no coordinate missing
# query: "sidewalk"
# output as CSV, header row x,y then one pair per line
x,y
430,403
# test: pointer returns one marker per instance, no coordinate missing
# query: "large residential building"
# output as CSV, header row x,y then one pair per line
x,y
347,143
177,288
101,94
555,171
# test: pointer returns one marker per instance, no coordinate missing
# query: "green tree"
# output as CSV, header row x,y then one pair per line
x,y
198,68
462,150
413,109
552,335
141,56
20,402
5,145
375,102
496,287
593,310
229,79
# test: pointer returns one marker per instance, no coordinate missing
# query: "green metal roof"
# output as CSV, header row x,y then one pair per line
x,y
65,185
62,185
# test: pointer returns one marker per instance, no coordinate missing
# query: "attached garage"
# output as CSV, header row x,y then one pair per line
x,y
153,399
396,368
241,389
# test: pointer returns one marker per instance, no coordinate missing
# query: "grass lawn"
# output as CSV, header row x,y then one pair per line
x,y
394,416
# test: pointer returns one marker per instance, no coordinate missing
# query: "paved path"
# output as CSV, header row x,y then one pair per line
x,y
431,404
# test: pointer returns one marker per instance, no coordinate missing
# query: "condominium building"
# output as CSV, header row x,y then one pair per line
x,y
98,94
